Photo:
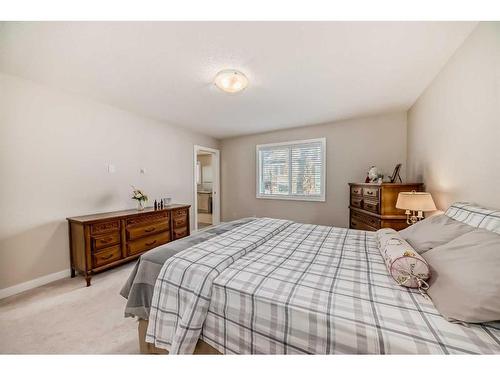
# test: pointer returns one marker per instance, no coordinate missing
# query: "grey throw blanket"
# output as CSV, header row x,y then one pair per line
x,y
138,290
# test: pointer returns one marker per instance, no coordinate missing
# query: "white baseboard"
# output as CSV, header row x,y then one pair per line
x,y
15,289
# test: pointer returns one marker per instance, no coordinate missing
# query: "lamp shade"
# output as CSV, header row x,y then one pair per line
x,y
415,201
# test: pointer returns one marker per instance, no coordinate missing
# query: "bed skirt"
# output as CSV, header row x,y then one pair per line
x,y
147,348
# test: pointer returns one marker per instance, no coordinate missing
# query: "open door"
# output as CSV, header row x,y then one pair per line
x,y
206,178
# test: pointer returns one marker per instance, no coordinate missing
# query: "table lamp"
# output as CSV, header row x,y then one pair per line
x,y
415,204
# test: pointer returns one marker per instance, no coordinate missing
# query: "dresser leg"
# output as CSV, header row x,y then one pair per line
x,y
73,274
87,279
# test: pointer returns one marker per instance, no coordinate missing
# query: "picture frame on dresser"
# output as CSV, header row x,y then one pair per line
x,y
372,206
102,241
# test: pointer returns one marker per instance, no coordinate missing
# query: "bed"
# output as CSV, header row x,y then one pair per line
x,y
270,286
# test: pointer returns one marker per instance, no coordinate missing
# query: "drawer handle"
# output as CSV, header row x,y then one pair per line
x,y
353,224
106,240
150,243
106,257
370,193
149,229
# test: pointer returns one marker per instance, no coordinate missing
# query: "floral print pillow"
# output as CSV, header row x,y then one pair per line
x,y
404,264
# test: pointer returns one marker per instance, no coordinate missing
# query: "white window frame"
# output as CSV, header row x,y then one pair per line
x,y
320,198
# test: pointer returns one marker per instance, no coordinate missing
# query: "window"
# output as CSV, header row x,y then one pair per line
x,y
292,170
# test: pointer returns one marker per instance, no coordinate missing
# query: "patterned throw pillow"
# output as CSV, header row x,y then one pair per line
x,y
404,264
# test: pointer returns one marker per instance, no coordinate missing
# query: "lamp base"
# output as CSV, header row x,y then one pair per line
x,y
413,217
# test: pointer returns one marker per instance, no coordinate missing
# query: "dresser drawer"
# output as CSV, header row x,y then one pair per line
x,y
105,240
180,232
357,202
370,205
180,212
146,219
371,192
180,221
357,224
107,255
147,243
105,226
356,190
147,230
367,219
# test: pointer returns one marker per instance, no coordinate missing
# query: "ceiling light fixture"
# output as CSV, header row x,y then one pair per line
x,y
231,81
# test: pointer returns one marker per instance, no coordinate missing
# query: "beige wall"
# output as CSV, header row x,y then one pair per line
x,y
454,127
351,148
54,151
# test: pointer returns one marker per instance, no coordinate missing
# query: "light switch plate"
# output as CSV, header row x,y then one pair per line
x,y
111,168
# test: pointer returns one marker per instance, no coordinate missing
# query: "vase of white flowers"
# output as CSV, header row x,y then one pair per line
x,y
140,197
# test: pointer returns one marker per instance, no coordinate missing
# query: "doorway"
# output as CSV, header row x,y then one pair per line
x,y
206,187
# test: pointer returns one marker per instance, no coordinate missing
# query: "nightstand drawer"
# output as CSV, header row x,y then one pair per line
x,y
371,192
370,205
357,202
357,224
367,219
356,190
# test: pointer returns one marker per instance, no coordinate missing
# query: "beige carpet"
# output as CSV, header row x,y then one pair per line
x,y
66,317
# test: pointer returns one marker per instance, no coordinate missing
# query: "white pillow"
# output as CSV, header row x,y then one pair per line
x,y
433,231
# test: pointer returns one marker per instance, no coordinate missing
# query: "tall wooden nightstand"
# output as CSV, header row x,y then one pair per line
x,y
373,206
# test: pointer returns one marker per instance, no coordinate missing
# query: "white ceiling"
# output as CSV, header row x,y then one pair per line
x,y
300,73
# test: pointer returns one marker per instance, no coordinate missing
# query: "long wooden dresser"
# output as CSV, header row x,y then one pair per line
x,y
102,241
373,206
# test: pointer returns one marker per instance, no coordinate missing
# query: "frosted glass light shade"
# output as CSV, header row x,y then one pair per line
x,y
231,81
415,201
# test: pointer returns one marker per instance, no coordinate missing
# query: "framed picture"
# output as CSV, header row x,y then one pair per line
x,y
395,174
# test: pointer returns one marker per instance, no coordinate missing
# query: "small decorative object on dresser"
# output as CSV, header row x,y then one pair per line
x,y
395,175
373,206
140,197
374,175
101,241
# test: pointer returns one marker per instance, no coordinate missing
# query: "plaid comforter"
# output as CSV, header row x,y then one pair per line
x,y
183,289
306,289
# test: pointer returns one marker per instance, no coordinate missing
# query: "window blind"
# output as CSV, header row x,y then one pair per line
x,y
292,170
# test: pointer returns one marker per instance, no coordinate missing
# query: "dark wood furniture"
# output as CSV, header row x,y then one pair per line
x,y
102,241
373,206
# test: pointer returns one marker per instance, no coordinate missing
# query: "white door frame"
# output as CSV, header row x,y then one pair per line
x,y
215,185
